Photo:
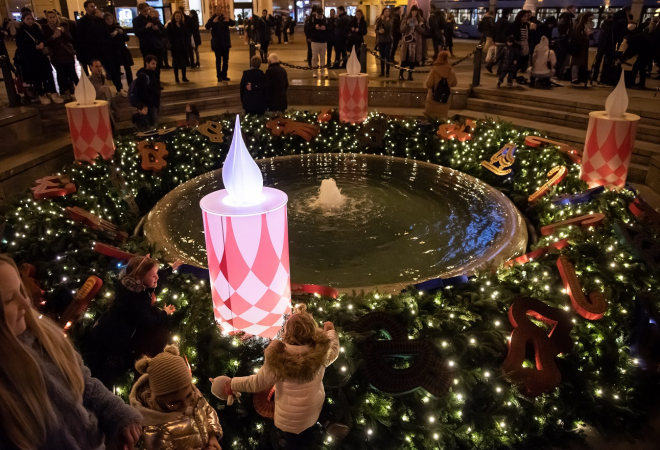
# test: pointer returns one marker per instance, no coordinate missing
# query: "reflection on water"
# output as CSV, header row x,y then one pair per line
x,y
394,221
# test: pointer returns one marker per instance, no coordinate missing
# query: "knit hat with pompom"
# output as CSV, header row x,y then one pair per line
x,y
168,372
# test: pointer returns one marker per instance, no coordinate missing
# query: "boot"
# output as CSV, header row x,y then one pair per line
x,y
410,76
401,75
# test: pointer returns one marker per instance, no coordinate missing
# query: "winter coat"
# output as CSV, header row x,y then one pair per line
x,y
277,83
520,31
93,39
316,35
620,26
254,100
120,54
180,44
189,430
396,27
386,36
297,372
580,39
61,48
342,27
81,424
131,315
148,87
565,23
543,54
141,122
151,42
412,51
501,28
263,30
33,63
192,23
330,28
508,57
488,26
449,32
438,72
220,38
356,38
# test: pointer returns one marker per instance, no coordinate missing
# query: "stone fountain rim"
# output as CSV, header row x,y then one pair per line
x,y
515,227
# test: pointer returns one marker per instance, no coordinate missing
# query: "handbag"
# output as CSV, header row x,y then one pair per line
x,y
409,39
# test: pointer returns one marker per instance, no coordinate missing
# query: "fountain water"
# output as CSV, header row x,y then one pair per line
x,y
330,196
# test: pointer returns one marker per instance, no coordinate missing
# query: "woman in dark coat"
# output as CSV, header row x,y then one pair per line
x,y
179,37
253,88
579,46
133,325
277,83
34,64
120,54
357,31
62,53
450,24
192,22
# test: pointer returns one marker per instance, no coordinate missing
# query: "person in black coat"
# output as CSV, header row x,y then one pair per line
x,y
179,37
148,33
277,83
263,34
620,25
120,54
34,64
641,46
330,35
278,27
220,41
192,22
134,325
253,88
396,32
93,42
62,53
358,30
148,88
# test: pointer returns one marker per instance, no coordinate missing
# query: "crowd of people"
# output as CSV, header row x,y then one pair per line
x,y
52,397
558,48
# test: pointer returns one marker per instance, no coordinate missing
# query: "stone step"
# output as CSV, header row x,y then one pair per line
x,y
641,154
645,132
18,126
514,96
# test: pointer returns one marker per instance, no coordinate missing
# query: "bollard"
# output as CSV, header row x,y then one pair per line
x,y
363,58
476,75
12,96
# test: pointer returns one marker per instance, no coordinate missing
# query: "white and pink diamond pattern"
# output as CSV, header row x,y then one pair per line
x,y
607,152
91,132
353,98
248,260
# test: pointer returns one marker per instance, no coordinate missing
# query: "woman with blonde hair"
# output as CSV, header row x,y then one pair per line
x,y
133,325
439,83
295,365
48,399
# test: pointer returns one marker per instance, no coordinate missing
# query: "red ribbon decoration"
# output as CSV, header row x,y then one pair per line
x,y
546,376
95,223
323,291
592,308
536,253
55,186
112,252
586,221
574,154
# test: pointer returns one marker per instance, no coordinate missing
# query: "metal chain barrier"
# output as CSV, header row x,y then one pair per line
x,y
293,66
407,69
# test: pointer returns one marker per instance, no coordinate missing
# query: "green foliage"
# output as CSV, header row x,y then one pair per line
x,y
602,384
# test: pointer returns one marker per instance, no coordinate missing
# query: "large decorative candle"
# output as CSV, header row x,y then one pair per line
x,y
353,92
247,245
89,123
609,143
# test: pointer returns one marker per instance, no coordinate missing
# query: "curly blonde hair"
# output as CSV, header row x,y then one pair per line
x,y
301,328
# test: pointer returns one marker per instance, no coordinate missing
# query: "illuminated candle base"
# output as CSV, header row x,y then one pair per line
x,y
353,97
608,149
91,131
248,257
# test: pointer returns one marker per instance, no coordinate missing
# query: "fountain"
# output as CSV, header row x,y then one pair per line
x,y
394,222
330,196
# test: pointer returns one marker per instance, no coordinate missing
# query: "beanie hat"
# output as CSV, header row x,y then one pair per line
x,y
168,372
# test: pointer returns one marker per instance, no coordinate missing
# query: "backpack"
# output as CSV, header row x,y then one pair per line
x,y
442,91
133,97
